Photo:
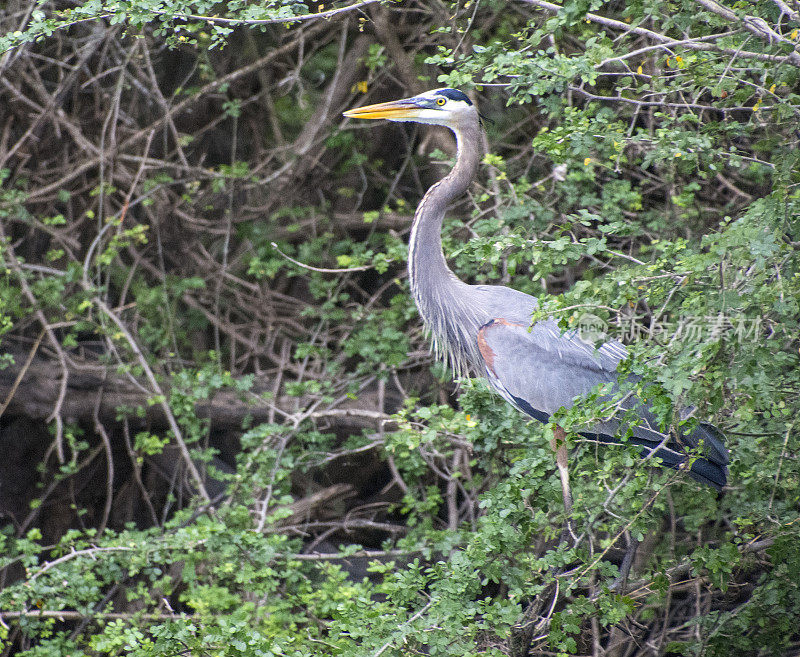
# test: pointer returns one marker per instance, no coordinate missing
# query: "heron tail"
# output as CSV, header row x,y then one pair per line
x,y
710,469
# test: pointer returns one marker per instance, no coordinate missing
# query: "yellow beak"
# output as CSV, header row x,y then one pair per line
x,y
396,109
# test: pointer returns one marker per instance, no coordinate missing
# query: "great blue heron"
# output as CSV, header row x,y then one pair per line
x,y
486,329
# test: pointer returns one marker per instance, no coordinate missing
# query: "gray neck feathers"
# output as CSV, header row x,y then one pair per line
x,y
449,307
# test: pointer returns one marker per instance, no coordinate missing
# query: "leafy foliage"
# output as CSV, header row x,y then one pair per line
x,y
283,469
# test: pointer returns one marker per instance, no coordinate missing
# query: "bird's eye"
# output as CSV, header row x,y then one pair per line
x,y
440,101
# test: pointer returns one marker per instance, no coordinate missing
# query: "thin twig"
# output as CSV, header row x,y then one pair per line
x,y
330,13
21,374
321,270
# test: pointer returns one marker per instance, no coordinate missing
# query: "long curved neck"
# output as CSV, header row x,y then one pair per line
x,y
426,261
442,299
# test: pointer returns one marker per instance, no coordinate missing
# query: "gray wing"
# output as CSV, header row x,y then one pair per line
x,y
538,370
542,367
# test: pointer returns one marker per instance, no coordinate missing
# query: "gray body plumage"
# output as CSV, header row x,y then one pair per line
x,y
486,329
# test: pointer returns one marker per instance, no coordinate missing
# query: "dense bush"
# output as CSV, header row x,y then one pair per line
x,y
223,432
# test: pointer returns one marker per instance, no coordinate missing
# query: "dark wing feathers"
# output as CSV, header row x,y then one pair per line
x,y
538,370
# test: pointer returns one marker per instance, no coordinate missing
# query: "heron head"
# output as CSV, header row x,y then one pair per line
x,y
447,107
